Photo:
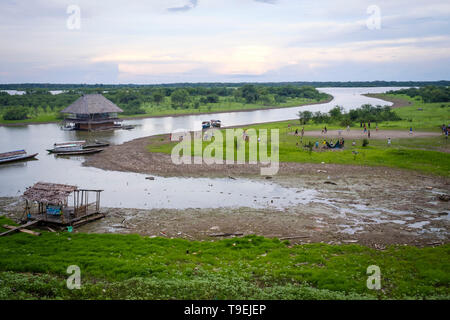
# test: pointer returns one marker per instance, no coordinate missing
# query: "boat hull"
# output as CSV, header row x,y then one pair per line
x,y
78,152
21,158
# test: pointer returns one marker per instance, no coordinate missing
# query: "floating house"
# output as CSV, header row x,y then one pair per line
x,y
92,112
60,204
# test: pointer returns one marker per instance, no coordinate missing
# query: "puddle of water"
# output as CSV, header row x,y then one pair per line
x,y
418,225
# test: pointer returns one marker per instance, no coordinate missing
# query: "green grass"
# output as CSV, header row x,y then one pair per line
x,y
430,118
421,154
135,267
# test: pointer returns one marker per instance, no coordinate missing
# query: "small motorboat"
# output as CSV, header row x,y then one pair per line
x,y
216,123
77,152
206,125
17,155
67,146
128,127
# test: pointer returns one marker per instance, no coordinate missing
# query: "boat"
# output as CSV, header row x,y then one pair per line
x,y
77,152
96,144
66,148
216,123
16,156
128,127
206,124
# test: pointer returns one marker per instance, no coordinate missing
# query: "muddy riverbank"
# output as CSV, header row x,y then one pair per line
x,y
383,208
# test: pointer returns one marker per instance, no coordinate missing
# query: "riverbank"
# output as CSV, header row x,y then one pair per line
x,y
397,102
117,266
178,114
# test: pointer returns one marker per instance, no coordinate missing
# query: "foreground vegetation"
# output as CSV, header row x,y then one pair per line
x,y
134,267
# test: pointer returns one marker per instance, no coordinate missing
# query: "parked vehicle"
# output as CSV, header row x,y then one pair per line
x,y
16,156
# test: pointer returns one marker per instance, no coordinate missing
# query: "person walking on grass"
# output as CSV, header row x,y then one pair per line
x,y
303,131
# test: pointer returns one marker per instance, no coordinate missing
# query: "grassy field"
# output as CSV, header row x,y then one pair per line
x,y
429,118
419,154
134,267
165,109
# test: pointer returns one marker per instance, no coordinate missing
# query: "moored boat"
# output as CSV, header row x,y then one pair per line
x,y
96,144
77,152
17,155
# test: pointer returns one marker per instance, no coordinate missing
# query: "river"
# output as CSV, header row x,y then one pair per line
x,y
132,190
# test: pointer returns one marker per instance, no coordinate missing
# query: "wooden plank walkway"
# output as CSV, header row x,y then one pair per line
x,y
29,224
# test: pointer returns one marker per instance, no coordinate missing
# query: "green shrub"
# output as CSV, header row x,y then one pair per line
x,y
16,113
365,142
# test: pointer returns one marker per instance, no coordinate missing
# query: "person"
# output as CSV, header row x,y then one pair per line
x,y
376,127
369,123
303,131
348,128
368,134
354,143
296,132
365,129
339,132
360,124
325,129
389,142
317,144
410,130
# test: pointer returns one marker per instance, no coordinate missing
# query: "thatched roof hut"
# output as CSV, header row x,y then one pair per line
x,y
49,193
92,104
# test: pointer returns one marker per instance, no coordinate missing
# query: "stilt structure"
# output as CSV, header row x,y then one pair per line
x,y
50,203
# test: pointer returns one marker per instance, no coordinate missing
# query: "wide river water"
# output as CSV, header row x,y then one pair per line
x,y
132,190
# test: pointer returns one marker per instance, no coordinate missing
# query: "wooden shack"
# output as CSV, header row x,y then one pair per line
x,y
92,112
61,204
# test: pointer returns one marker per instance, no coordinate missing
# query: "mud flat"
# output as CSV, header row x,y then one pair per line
x,y
371,207
397,102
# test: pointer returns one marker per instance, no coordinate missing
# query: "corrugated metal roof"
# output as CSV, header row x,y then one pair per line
x,y
91,104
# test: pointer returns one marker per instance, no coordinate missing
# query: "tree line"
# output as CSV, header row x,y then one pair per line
x,y
131,99
316,84
427,93
365,113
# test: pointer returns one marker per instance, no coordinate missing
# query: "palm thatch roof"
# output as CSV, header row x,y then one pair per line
x,y
49,193
91,104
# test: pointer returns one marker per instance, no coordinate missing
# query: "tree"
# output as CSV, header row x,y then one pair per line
x,y
249,93
158,97
304,116
336,113
180,97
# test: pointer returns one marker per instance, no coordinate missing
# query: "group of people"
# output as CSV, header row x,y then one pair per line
x,y
445,130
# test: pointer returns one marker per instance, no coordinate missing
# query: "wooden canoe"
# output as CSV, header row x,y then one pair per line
x,y
77,152
18,155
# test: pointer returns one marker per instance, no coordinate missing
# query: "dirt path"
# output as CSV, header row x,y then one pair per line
x,y
380,134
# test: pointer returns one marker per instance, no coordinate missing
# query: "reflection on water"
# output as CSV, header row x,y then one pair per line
x,y
132,190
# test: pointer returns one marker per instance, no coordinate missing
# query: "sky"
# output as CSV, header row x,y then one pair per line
x,y
170,41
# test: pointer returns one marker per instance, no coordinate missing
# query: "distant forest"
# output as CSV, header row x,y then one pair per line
x,y
55,86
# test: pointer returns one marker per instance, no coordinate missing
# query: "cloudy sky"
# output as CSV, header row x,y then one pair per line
x,y
164,41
